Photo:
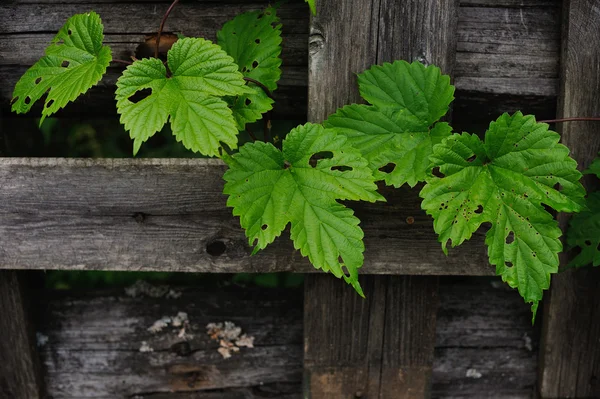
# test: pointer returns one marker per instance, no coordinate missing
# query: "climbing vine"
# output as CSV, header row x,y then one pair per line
x,y
511,179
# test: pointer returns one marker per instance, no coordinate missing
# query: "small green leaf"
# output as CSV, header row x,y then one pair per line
x,y
505,181
397,133
313,6
269,188
584,228
74,62
422,91
202,73
253,39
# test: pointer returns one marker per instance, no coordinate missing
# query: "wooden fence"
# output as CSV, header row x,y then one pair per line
x,y
170,215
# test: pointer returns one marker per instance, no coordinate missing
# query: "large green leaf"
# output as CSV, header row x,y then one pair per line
x,y
201,73
253,39
584,229
74,62
505,181
399,130
269,188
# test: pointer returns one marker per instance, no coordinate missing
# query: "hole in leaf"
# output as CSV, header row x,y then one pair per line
x,y
525,195
70,32
510,238
588,243
244,69
557,187
472,158
248,101
345,271
320,155
14,100
533,254
437,172
479,210
264,227
255,64
508,264
389,168
65,64
140,95
38,81
216,248
341,168
49,103
27,100
257,41
548,208
233,33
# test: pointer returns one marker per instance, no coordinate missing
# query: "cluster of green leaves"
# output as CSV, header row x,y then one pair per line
x,y
506,179
200,90
584,229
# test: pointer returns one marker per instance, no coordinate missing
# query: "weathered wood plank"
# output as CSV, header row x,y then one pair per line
x,y
94,340
19,365
170,215
570,355
383,346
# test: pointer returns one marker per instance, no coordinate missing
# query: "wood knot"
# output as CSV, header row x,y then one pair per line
x,y
216,247
139,217
316,42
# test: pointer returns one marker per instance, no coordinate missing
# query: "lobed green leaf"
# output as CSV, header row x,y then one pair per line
x,y
75,61
202,73
397,133
268,189
253,39
506,180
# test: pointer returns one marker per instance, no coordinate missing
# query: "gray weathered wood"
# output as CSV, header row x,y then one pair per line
x,y
570,355
381,346
94,340
170,215
19,365
497,41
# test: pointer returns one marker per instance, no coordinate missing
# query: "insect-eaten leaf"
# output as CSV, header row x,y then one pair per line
x,y
75,61
253,39
201,74
584,228
401,126
506,180
268,189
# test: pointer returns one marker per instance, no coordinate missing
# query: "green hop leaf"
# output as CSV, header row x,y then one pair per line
x,y
399,129
253,39
584,229
313,6
74,62
504,181
269,188
202,73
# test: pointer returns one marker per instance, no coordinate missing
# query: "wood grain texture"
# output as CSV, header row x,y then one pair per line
x,y
171,215
19,365
382,346
497,41
94,339
570,356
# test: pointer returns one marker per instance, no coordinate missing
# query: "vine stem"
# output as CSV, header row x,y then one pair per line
x,y
570,120
252,136
122,62
259,84
162,25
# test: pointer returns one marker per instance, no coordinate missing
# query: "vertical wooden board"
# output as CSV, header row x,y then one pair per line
x,y
19,365
381,346
570,353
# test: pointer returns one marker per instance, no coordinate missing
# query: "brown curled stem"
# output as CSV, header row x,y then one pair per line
x,y
262,86
162,25
123,62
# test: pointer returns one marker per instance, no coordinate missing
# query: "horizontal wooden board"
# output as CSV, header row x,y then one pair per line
x,y
170,215
485,345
